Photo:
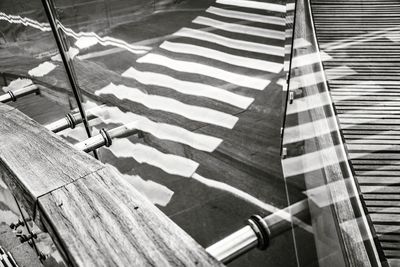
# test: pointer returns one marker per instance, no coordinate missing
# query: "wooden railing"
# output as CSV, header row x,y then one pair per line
x,y
94,216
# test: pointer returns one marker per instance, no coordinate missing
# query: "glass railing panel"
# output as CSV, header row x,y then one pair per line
x,y
35,82
315,160
201,82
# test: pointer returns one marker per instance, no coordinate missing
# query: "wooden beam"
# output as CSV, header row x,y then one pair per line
x,y
94,216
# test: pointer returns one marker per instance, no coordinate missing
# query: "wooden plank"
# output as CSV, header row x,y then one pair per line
x,y
378,180
95,217
390,238
379,189
392,253
21,165
382,203
103,221
376,167
384,218
387,210
382,197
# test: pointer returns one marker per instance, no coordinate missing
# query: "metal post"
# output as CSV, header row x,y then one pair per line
x,y
63,48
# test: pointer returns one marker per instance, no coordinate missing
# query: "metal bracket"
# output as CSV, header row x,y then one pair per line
x,y
25,238
14,226
284,152
291,97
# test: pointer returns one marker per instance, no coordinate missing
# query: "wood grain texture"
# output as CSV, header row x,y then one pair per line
x,y
95,217
28,161
104,221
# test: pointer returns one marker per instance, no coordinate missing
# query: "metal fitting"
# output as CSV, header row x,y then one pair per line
x,y
71,120
12,96
43,256
106,136
25,238
14,226
261,229
291,97
284,152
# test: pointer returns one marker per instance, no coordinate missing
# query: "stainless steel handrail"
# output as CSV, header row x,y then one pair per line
x,y
253,235
13,95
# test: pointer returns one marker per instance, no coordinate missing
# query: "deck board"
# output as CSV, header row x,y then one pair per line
x,y
362,74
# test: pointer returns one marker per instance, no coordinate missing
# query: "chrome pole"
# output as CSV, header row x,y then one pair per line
x,y
258,232
69,121
234,245
72,119
69,68
15,94
105,138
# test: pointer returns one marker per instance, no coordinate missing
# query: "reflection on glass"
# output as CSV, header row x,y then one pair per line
x,y
316,161
180,85
27,52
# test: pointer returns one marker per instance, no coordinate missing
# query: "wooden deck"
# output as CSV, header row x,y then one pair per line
x,y
361,42
94,216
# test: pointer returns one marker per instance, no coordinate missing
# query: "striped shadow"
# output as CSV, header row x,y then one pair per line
x,y
202,69
308,130
162,131
246,62
231,43
172,164
313,161
242,29
255,5
189,88
246,16
308,103
167,104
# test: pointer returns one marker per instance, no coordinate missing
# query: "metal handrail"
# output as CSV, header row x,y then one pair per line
x,y
105,137
13,95
259,232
